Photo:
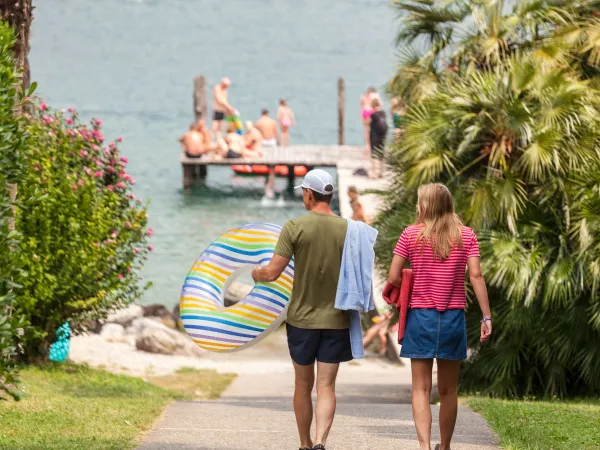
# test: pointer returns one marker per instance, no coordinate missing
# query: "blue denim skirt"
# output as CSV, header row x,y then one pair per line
x,y
435,334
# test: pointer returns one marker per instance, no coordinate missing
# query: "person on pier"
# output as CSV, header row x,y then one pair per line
x,y
285,117
253,138
268,129
233,146
221,106
197,141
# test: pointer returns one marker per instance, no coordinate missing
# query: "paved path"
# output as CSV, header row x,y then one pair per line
x,y
256,412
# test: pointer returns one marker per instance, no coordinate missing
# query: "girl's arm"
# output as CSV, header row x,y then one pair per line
x,y
480,289
395,276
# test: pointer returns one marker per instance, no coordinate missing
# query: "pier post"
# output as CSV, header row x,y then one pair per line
x,y
341,107
188,176
291,176
200,98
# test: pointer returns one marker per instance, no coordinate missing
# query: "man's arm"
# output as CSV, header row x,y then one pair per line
x,y
272,271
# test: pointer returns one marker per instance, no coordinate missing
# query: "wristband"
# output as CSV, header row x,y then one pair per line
x,y
486,319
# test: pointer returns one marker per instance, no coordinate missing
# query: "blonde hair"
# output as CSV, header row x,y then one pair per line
x,y
443,228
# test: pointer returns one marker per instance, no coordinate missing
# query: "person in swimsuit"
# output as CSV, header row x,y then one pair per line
x,y
197,141
286,119
268,129
233,146
365,111
220,105
357,208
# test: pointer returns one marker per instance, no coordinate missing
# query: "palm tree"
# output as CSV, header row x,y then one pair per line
x,y
514,131
19,14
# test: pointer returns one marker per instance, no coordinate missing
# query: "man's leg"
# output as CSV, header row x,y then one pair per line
x,y
326,402
421,398
303,407
447,386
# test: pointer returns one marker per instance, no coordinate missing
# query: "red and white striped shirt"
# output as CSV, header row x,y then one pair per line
x,y
438,283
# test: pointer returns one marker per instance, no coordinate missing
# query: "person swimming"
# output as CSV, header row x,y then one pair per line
x,y
286,119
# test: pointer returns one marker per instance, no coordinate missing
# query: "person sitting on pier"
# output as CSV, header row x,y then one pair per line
x,y
268,129
220,105
233,147
197,141
253,138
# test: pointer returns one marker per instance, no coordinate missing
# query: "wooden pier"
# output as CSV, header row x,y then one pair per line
x,y
310,156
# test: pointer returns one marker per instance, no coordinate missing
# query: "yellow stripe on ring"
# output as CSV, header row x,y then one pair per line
x,y
215,344
212,274
249,316
258,233
249,239
256,310
195,302
213,267
286,278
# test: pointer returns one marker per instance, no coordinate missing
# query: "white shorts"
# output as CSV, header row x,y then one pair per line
x,y
270,143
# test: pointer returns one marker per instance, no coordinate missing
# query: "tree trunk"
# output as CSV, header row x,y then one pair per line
x,y
19,14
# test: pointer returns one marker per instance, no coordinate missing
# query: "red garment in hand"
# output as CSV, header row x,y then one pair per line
x,y
400,298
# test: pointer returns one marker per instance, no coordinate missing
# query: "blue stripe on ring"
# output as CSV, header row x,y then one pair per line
x,y
264,297
271,291
200,288
241,252
218,330
230,258
224,322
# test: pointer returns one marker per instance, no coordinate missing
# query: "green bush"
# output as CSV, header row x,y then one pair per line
x,y
12,142
514,130
83,232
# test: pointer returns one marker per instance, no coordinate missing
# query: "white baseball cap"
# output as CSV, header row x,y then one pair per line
x,y
319,181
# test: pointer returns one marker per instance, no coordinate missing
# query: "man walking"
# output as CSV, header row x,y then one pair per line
x,y
316,330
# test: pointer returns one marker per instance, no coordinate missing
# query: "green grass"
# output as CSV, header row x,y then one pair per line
x,y
194,383
533,425
76,407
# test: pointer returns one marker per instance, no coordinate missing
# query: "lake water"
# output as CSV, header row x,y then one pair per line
x,y
131,63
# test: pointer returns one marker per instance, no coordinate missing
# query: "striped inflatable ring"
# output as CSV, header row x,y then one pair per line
x,y
202,309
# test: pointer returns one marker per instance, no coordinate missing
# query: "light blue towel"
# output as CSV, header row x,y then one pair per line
x,y
355,286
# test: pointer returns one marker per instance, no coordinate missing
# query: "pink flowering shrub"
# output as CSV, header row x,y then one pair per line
x,y
84,235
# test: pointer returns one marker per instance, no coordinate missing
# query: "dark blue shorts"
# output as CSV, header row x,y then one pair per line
x,y
327,346
433,334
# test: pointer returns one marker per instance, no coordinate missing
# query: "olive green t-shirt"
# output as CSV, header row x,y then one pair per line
x,y
316,242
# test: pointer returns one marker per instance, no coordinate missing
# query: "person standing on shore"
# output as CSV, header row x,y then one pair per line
x,y
316,330
365,112
439,249
357,207
268,129
221,106
377,137
286,119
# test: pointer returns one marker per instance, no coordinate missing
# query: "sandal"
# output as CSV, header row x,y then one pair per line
x,y
318,447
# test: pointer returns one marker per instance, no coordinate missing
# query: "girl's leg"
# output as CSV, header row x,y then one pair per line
x,y
383,332
421,395
447,387
367,127
285,136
